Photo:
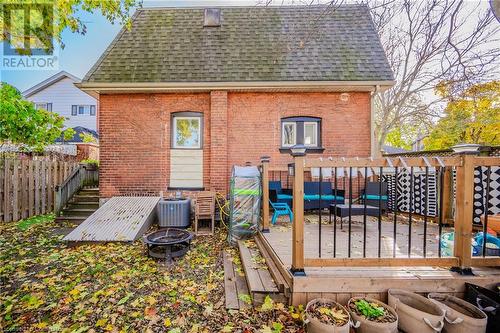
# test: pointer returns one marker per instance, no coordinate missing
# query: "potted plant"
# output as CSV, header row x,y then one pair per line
x,y
326,316
90,164
415,312
372,315
460,316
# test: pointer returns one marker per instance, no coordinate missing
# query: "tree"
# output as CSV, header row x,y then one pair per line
x,y
427,42
404,135
21,123
68,134
471,117
65,16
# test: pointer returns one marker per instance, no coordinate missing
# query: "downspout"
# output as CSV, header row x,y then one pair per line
x,y
373,146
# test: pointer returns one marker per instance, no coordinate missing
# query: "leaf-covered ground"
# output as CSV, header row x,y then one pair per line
x,y
49,287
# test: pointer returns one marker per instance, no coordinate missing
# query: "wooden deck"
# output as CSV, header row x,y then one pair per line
x,y
120,219
280,237
341,283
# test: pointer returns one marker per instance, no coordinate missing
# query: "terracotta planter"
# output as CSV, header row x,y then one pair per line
x,y
314,325
461,316
416,313
370,326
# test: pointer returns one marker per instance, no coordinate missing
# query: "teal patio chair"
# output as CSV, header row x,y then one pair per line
x,y
280,208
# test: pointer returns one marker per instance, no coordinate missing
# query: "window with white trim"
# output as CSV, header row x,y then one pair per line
x,y
310,134
301,130
187,131
83,110
289,134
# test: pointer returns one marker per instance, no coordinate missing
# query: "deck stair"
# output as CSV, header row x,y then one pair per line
x,y
258,276
80,206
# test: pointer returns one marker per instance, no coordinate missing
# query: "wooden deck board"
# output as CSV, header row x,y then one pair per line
x,y
230,292
234,284
122,219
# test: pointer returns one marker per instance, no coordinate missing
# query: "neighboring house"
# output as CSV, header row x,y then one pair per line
x,y
78,136
59,94
187,93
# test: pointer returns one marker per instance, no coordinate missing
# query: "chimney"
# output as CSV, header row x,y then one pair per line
x,y
212,17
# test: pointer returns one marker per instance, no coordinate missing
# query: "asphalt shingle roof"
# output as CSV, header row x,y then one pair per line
x,y
311,43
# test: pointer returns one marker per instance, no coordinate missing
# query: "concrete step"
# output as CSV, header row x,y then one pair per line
x,y
77,212
84,204
89,191
74,219
85,198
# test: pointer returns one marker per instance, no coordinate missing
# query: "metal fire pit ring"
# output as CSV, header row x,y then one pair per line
x,y
168,243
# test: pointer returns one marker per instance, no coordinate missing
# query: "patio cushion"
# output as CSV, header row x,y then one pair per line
x,y
374,197
285,197
311,197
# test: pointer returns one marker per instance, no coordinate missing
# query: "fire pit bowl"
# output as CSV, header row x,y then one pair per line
x,y
168,243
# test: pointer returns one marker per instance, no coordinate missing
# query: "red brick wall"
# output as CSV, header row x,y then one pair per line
x,y
219,133
135,140
135,133
255,124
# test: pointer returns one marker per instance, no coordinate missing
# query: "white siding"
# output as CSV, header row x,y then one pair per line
x,y
62,95
186,168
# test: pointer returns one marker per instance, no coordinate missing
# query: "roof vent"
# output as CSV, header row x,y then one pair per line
x,y
212,17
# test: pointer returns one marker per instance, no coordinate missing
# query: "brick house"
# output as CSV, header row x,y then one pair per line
x,y
187,93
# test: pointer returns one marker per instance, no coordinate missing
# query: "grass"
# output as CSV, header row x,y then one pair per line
x,y
114,287
23,225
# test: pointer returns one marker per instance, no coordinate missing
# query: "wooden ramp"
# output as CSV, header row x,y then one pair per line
x,y
120,219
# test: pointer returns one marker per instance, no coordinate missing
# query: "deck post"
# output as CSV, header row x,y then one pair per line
x,y
297,268
265,193
447,195
464,212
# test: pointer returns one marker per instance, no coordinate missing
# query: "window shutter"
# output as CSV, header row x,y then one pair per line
x,y
74,110
49,106
92,110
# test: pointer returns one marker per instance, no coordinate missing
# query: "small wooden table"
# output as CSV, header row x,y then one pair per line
x,y
356,210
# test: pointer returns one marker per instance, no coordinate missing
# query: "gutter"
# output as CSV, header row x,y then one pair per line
x,y
373,146
138,87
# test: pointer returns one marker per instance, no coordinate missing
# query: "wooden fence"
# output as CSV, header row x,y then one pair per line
x,y
464,165
27,186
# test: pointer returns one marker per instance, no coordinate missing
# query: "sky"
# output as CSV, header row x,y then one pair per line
x,y
82,51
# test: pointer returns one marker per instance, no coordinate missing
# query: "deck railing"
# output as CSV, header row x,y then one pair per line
x,y
455,191
79,178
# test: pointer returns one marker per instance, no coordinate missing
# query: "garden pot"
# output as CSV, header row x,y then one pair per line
x,y
487,301
416,313
460,316
314,325
370,326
